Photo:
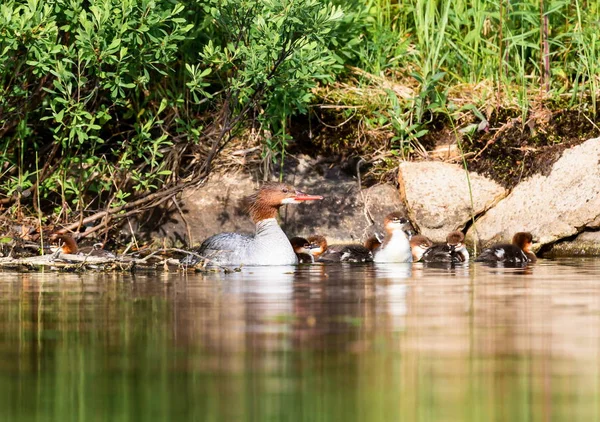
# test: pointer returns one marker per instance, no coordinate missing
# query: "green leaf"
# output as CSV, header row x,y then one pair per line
x,y
59,116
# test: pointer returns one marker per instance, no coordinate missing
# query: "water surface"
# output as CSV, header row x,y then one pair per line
x,y
312,343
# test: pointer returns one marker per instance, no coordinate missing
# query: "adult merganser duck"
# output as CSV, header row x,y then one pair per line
x,y
395,246
453,251
68,245
519,252
322,252
301,248
419,244
269,245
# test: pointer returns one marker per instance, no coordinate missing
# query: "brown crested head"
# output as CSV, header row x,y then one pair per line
x,y
523,240
265,202
318,245
65,241
420,241
455,238
395,221
419,245
372,243
300,245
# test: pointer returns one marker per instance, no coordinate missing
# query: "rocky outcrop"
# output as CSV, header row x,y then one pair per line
x,y
551,207
438,199
345,214
434,195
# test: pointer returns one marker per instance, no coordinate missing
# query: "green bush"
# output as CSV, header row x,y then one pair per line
x,y
79,87
102,101
104,98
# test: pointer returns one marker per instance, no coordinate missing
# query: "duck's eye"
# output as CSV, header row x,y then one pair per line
x,y
285,190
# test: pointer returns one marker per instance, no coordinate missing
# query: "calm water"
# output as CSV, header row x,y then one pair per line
x,y
314,343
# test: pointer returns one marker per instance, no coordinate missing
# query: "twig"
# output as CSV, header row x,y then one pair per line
x,y
139,205
185,222
134,240
366,212
494,138
337,126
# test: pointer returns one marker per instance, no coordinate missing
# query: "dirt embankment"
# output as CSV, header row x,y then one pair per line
x,y
508,148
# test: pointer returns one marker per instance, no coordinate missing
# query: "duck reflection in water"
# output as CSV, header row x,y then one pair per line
x,y
334,305
392,287
270,309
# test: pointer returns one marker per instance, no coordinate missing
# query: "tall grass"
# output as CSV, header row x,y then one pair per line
x,y
491,54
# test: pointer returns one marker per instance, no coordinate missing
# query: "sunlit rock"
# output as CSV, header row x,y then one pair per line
x,y
438,199
551,207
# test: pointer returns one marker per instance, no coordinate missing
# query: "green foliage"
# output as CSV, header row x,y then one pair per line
x,y
72,78
120,96
268,57
112,93
436,46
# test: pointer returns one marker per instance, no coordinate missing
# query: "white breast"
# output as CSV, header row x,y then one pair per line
x,y
270,246
397,249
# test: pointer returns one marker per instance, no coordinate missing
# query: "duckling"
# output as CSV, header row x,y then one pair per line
x,y
372,243
68,245
419,244
519,252
395,246
302,249
453,251
322,252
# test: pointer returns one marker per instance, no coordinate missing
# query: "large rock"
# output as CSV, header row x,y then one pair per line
x,y
437,196
346,214
550,207
585,244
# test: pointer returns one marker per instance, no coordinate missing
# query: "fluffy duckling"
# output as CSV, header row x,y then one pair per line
x,y
453,251
68,245
302,249
519,252
395,246
372,243
322,252
419,244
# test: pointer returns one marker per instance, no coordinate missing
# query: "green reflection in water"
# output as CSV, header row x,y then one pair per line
x,y
318,345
